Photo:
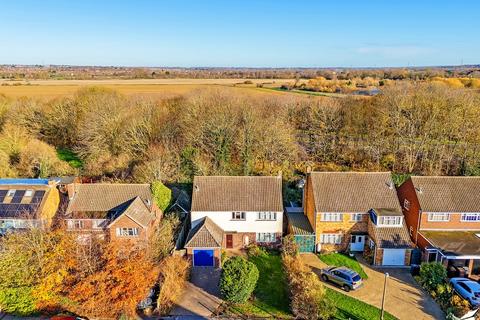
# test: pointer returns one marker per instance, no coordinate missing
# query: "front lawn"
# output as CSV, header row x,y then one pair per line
x,y
342,260
270,295
349,308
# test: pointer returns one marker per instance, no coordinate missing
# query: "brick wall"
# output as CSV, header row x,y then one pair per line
x,y
455,223
309,203
412,215
239,239
345,227
125,222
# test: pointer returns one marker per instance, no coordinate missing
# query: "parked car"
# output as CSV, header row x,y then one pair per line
x,y
149,301
467,289
346,278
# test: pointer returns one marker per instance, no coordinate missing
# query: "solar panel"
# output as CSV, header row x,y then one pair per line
x,y
17,198
3,192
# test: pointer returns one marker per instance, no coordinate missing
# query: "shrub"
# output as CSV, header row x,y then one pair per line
x,y
307,294
238,280
289,246
173,278
162,240
161,194
432,275
18,301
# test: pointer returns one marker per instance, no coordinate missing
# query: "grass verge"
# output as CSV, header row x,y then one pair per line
x,y
349,308
342,260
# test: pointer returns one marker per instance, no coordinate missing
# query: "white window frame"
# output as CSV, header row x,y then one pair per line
x,y
474,215
127,232
238,215
331,238
267,216
266,237
332,217
438,217
406,204
11,193
390,221
356,217
97,223
28,193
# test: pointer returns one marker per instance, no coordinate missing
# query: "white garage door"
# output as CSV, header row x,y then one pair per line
x,y
393,257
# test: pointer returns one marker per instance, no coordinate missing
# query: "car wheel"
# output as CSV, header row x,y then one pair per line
x,y
324,278
346,288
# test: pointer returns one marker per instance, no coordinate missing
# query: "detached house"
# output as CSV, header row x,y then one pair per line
x,y
356,211
111,211
27,203
443,216
231,213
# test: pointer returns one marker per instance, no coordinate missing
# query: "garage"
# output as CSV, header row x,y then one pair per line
x,y
393,257
203,258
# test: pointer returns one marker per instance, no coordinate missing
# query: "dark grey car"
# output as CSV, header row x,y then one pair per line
x,y
346,278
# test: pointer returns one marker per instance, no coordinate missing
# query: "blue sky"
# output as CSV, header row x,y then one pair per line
x,y
243,33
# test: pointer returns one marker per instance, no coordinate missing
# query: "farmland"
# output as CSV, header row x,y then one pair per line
x,y
156,88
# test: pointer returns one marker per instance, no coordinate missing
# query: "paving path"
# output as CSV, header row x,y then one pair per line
x,y
201,296
405,299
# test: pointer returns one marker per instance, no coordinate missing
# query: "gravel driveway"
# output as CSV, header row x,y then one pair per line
x,y
405,299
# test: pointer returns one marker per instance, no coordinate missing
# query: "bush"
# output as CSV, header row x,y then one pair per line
x,y
238,280
432,275
18,301
307,294
174,275
289,246
161,194
162,240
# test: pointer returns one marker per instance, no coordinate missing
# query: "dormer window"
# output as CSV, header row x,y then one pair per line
x,y
390,221
11,193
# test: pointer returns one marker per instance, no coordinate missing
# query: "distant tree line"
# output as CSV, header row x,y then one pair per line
x,y
423,128
96,72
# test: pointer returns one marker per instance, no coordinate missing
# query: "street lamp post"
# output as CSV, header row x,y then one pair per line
x,y
384,291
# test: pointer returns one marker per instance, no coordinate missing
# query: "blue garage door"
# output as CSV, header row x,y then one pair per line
x,y
203,258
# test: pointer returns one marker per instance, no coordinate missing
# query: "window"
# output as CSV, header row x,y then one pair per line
x,y
267,216
470,217
11,193
356,217
332,216
238,215
331,238
28,193
75,224
439,217
371,243
406,204
127,232
266,237
390,221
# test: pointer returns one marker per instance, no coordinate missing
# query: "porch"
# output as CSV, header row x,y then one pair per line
x,y
458,251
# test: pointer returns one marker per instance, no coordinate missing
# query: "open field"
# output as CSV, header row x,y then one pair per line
x,y
47,89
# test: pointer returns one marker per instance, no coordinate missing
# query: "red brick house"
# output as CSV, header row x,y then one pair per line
x,y
357,211
443,217
112,211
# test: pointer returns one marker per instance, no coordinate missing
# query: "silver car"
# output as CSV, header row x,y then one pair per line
x,y
344,277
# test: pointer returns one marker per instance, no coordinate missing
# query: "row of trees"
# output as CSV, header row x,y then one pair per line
x,y
409,128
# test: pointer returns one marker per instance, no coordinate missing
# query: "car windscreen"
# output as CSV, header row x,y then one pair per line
x,y
356,278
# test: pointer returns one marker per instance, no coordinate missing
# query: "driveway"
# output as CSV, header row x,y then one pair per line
x,y
201,297
405,299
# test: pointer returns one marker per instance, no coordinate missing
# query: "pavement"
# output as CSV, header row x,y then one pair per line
x,y
201,297
405,299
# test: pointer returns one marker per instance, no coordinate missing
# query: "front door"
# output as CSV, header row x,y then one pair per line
x,y
229,241
357,243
